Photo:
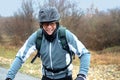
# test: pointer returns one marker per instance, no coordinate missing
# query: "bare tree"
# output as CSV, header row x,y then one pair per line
x,y
20,26
26,15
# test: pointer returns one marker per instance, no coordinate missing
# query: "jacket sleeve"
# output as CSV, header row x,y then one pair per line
x,y
78,48
22,55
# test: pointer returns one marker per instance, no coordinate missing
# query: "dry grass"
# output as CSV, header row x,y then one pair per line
x,y
105,58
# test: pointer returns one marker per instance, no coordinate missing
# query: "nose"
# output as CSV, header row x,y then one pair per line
x,y
49,26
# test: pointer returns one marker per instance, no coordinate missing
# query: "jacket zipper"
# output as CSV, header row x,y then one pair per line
x,y
51,64
50,56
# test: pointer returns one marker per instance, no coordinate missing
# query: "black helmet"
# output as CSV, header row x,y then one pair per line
x,y
48,14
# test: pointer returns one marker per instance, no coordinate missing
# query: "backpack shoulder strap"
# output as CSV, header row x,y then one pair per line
x,y
38,44
62,37
39,39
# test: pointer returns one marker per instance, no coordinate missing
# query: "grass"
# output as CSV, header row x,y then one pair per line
x,y
107,56
7,55
8,52
105,59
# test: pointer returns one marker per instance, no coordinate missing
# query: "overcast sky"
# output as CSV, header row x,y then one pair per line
x,y
8,7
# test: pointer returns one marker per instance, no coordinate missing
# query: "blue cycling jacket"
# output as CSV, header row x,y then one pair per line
x,y
52,56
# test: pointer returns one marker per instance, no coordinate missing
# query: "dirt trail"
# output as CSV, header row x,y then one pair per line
x,y
19,75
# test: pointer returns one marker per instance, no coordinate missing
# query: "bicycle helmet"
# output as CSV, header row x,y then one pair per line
x,y
48,14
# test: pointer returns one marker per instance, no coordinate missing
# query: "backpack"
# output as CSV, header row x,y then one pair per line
x,y
63,40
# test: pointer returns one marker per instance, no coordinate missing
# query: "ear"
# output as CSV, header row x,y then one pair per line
x,y
40,24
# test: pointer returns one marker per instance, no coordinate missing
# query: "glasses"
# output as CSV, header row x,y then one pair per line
x,y
49,24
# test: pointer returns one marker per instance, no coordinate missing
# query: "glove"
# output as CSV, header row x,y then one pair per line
x,y
81,77
8,79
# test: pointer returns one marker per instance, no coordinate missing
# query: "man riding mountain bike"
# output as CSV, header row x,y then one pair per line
x,y
55,52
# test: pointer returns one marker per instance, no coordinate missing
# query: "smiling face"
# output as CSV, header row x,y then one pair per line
x,y
49,27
